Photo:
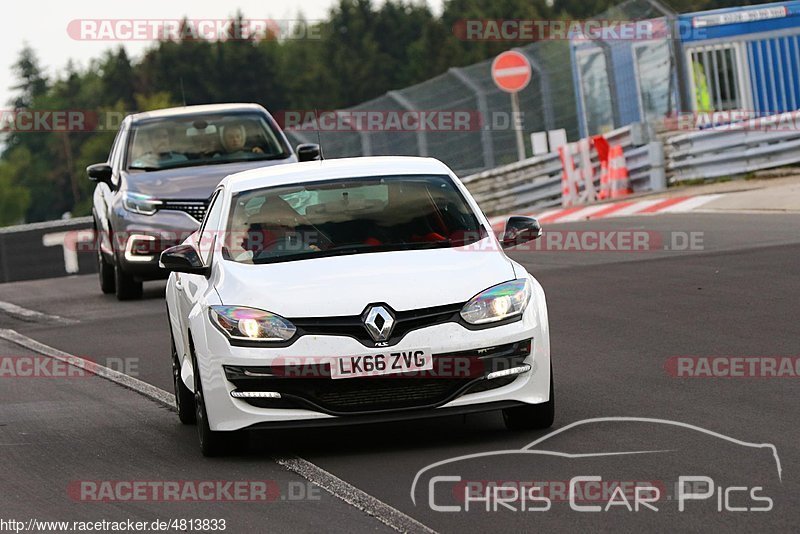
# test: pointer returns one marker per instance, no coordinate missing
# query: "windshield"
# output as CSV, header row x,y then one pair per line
x,y
203,140
349,216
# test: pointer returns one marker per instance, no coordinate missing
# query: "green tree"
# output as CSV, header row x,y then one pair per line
x,y
14,199
31,81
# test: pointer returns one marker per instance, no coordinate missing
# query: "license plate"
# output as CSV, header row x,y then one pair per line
x,y
384,363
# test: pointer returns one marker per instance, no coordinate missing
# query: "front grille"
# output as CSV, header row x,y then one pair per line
x,y
453,374
353,325
195,208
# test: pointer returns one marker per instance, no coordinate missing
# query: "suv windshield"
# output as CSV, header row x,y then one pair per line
x,y
203,140
348,216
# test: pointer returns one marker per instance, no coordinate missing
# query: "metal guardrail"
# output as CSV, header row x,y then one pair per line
x,y
536,182
733,149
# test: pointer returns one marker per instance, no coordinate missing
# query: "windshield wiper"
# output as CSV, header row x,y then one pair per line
x,y
244,160
144,168
385,247
353,248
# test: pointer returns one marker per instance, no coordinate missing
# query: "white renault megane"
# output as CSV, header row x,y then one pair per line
x,y
353,290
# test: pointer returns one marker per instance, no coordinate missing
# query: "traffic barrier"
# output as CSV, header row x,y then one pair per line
x,y
618,173
736,148
569,176
539,181
589,193
602,146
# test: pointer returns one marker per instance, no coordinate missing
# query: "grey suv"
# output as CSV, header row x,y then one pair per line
x,y
152,192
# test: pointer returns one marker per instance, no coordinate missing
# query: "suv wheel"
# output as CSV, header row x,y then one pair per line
x,y
106,273
127,287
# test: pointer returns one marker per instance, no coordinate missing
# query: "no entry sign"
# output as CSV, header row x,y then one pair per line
x,y
511,71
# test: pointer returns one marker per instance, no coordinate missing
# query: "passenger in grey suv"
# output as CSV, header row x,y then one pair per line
x,y
152,192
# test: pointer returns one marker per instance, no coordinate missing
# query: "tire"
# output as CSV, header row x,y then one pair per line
x,y
211,443
127,287
532,416
105,270
184,398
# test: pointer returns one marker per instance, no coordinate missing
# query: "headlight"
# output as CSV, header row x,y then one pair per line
x,y
251,324
502,301
139,203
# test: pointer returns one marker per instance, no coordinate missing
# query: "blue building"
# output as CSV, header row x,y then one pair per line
x,y
744,58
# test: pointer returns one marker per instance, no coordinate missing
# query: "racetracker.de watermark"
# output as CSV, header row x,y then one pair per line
x,y
736,120
183,491
603,241
205,29
534,30
378,120
139,244
486,492
298,120
12,366
733,366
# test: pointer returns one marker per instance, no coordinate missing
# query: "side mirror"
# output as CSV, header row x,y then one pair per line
x,y
308,152
520,230
183,259
99,172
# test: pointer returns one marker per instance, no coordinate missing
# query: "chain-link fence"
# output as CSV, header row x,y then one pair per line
x,y
584,86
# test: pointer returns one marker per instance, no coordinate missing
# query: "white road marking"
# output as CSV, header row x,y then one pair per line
x,y
334,485
582,214
635,207
148,390
690,204
32,315
544,214
353,496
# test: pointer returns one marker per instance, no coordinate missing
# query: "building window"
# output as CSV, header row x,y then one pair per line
x,y
715,78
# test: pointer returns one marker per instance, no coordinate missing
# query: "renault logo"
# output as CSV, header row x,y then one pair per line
x,y
379,322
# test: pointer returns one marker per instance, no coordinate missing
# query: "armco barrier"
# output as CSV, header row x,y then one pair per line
x,y
732,149
47,250
536,182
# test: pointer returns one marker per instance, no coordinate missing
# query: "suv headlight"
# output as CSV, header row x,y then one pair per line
x,y
250,324
502,301
139,203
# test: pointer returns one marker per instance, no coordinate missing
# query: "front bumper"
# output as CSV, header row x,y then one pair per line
x,y
307,384
138,240
310,398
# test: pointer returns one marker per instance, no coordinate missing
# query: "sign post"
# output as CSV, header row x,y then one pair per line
x,y
511,72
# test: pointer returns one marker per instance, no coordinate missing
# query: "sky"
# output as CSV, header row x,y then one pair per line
x,y
43,24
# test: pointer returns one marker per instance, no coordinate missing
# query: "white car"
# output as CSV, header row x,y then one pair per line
x,y
353,290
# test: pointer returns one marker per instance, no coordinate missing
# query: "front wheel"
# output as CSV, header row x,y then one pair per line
x,y
211,443
127,287
532,416
104,269
184,399
108,283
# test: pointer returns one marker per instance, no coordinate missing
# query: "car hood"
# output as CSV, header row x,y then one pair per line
x,y
190,183
345,285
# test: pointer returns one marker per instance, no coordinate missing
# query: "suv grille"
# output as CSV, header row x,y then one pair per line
x,y
195,208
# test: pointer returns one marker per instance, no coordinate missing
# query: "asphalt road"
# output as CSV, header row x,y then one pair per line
x,y
617,318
